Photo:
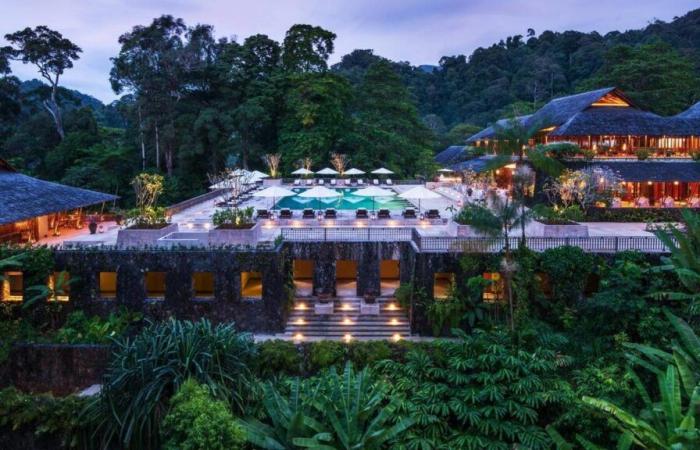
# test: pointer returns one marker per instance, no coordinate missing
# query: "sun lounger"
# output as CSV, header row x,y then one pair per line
x,y
330,214
308,213
432,214
353,182
375,182
309,182
361,214
333,182
321,182
263,214
389,182
286,213
384,214
360,182
297,182
409,213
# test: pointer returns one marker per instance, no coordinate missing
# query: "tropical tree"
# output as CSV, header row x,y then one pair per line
x,y
333,411
52,54
684,245
306,48
498,220
514,141
148,369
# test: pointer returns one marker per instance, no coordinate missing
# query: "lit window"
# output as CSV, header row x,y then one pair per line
x,y
12,287
59,284
155,284
493,291
203,284
251,285
108,284
443,284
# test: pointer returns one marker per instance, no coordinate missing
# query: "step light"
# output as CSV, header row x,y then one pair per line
x,y
298,337
347,337
300,322
396,337
300,306
347,321
393,322
391,307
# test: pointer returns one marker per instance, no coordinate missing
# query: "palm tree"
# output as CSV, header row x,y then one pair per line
x,y
497,221
662,424
684,245
513,141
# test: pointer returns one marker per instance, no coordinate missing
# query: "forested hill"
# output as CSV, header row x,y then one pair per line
x,y
526,70
208,102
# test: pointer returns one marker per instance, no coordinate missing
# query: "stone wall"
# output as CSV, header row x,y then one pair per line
x,y
265,314
57,368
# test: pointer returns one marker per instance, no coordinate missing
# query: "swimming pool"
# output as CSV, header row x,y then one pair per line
x,y
346,201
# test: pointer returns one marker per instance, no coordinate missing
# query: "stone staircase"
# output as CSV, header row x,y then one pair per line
x,y
346,323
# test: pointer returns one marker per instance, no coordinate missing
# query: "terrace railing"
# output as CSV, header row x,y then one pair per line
x,y
348,234
445,244
592,244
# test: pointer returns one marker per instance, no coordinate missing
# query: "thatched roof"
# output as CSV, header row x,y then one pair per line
x,y
584,115
490,131
451,155
691,113
561,109
23,197
614,121
640,171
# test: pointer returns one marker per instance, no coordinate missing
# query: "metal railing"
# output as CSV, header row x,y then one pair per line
x,y
592,244
446,244
348,234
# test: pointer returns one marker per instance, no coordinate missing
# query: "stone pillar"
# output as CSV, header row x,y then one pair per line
x,y
131,288
368,265
324,270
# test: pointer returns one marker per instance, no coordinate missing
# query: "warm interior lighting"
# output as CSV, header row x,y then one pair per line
x,y
675,183
649,183
610,99
396,337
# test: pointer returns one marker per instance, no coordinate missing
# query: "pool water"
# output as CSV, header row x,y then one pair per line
x,y
346,201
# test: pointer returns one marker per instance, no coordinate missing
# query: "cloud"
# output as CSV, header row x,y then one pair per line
x,y
419,31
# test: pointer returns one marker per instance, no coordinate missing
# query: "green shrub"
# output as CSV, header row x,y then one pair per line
x,y
233,217
47,416
635,214
324,354
643,154
478,391
567,269
278,358
367,353
198,422
145,371
79,328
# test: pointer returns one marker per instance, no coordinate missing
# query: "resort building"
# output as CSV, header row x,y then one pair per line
x,y
654,155
32,210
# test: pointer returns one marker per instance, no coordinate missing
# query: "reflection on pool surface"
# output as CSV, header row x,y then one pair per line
x,y
346,201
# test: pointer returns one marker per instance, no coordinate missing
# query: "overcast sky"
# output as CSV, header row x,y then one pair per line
x,y
419,31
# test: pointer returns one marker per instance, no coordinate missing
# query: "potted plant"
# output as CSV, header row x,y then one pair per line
x,y
234,226
369,305
323,305
92,226
643,154
146,223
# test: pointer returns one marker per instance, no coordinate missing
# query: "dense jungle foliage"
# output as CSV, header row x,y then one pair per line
x,y
192,103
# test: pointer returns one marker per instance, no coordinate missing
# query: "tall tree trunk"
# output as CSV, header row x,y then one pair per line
x,y
169,158
143,142
157,147
51,106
